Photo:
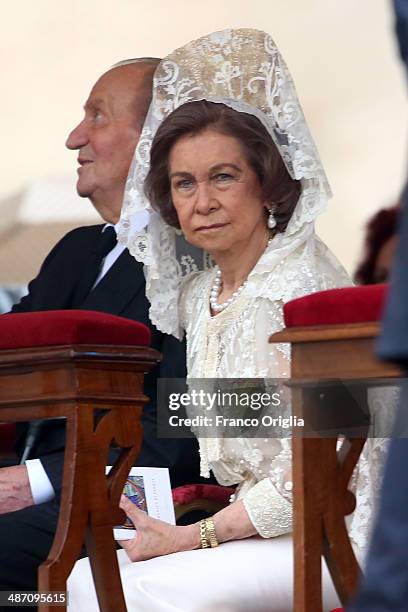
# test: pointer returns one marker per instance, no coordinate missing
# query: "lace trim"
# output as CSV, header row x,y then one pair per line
x,y
243,69
270,513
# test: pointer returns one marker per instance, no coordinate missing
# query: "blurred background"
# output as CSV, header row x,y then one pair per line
x,y
342,55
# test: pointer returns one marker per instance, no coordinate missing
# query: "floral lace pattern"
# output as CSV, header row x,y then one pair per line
x,y
244,70
367,478
234,344
269,511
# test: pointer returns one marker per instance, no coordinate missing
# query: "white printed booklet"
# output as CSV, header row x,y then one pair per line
x,y
150,490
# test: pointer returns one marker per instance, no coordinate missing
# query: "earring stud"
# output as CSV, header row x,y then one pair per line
x,y
271,219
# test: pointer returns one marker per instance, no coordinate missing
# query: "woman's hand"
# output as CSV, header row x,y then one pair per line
x,y
155,538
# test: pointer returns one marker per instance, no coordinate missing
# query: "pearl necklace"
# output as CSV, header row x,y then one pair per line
x,y
215,290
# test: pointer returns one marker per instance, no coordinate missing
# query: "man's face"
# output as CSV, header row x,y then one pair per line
x,y
107,136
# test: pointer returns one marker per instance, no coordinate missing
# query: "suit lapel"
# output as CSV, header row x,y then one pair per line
x,y
123,281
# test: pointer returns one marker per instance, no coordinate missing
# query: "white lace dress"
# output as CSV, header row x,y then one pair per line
x,y
234,344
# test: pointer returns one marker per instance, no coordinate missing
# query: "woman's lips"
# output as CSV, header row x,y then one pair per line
x,y
208,228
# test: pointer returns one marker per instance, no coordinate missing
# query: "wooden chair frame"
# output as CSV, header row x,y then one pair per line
x,y
320,474
74,382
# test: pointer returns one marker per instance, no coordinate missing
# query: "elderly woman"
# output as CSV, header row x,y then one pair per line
x,y
232,165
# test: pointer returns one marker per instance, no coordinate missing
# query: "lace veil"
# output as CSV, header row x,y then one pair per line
x,y
244,70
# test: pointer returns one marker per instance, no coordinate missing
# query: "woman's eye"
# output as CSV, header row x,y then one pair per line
x,y
184,184
223,177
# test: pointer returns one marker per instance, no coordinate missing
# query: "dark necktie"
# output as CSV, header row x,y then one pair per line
x,y
106,242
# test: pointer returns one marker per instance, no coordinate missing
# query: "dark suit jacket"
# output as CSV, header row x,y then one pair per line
x,y
401,27
120,292
385,584
393,343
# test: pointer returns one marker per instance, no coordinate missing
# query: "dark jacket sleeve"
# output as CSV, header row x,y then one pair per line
x,y
51,273
33,301
393,341
54,465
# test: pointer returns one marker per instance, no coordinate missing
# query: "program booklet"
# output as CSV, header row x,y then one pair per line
x,y
150,490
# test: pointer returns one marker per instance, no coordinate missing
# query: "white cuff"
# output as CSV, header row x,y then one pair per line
x,y
269,512
41,487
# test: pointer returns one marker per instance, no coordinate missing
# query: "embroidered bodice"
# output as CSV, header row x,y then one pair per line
x,y
234,344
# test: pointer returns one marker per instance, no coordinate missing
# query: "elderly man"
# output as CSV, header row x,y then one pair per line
x,y
87,269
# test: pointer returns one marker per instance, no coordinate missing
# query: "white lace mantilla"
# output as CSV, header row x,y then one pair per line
x,y
234,344
244,70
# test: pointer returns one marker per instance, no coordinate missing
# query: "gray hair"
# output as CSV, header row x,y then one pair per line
x,y
144,95
137,60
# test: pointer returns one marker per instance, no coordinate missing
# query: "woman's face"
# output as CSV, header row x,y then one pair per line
x,y
217,195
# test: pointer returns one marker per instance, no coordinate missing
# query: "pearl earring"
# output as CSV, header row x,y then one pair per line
x,y
271,219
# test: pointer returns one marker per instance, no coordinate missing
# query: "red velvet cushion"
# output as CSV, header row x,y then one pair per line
x,y
336,306
189,493
56,327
